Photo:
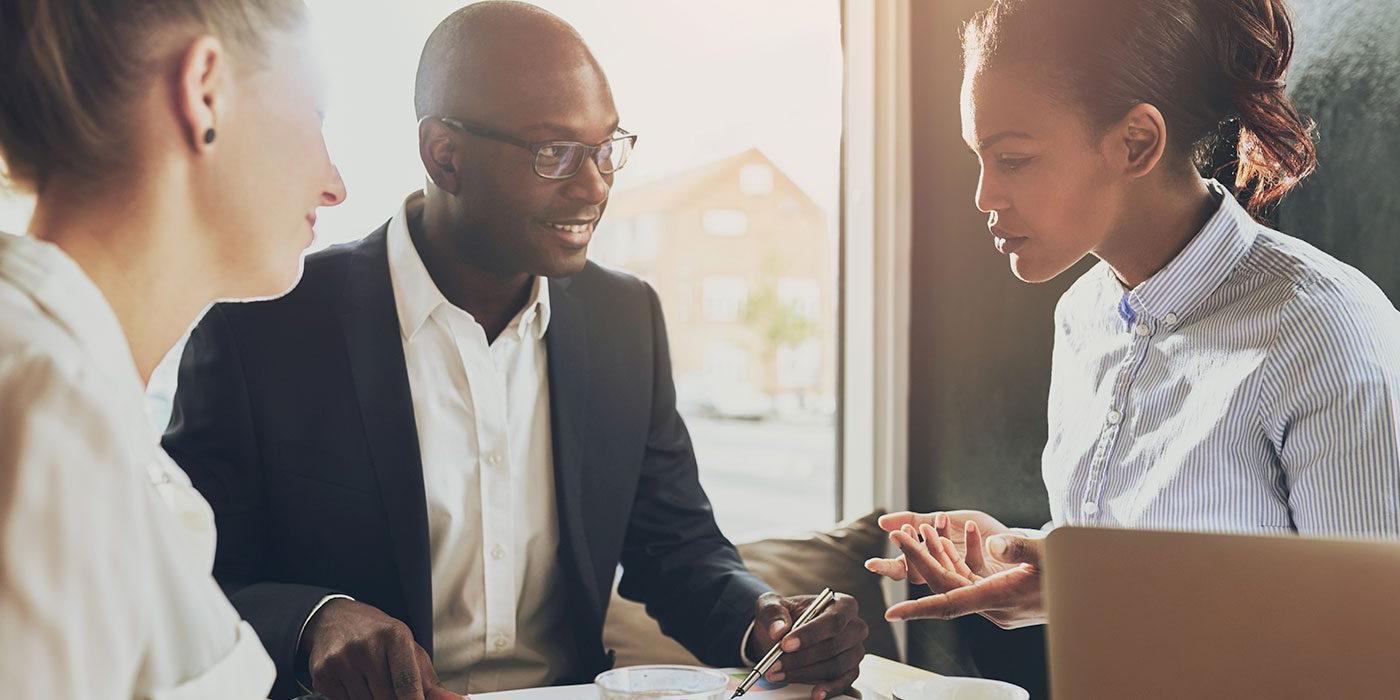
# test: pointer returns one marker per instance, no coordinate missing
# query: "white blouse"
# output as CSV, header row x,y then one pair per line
x,y
105,547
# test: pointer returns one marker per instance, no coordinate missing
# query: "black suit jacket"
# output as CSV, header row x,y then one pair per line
x,y
293,418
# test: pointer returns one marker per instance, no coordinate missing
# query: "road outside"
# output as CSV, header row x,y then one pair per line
x,y
767,477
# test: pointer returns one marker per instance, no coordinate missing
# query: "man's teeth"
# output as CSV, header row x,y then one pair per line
x,y
571,228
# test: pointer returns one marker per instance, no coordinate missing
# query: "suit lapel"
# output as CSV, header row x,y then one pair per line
x,y
370,323
567,345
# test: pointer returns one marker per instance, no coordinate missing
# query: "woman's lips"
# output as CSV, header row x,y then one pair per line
x,y
1005,242
1007,246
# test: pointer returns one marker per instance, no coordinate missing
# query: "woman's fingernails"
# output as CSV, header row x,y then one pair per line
x,y
776,628
791,643
776,667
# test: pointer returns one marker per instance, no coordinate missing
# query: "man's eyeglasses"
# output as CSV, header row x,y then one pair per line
x,y
559,160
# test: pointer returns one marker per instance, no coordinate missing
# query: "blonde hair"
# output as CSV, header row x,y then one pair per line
x,y
72,67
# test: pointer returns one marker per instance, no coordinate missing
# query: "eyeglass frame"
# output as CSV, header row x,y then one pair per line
x,y
534,147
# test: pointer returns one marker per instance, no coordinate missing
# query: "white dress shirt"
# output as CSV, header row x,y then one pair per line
x,y
1251,385
482,411
105,548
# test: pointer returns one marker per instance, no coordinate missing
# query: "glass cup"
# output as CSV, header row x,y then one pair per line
x,y
670,682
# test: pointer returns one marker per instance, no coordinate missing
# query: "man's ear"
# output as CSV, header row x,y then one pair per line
x,y
439,153
1139,140
202,92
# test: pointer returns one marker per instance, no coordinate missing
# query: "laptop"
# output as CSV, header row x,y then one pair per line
x,y
1145,614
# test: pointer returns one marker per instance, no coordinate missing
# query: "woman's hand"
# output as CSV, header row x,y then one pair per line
x,y
955,525
998,577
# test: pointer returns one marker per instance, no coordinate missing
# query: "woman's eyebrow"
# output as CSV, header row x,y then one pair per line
x,y
992,140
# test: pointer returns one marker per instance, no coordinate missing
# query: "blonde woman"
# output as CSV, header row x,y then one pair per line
x,y
176,154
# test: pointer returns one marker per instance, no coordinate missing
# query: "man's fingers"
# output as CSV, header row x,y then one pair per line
x,y
797,664
828,623
772,616
972,536
894,521
824,690
407,683
331,687
334,679
358,689
1014,549
827,669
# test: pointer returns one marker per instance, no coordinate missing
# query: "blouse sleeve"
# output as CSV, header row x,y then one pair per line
x,y
1332,405
67,546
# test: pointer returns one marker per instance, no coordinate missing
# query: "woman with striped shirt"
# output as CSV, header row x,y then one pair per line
x,y
1209,373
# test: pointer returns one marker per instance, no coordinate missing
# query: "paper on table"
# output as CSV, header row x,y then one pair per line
x,y
762,689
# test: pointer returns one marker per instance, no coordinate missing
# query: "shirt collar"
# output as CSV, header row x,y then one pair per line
x,y
60,287
1199,269
416,295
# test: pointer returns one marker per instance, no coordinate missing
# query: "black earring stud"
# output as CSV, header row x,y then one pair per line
x,y
209,136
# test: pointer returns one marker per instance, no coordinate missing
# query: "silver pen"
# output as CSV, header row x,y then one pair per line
x,y
767,662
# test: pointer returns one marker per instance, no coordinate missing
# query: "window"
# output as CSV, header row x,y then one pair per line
x,y
725,298
799,366
646,238
802,295
725,222
736,177
756,179
733,179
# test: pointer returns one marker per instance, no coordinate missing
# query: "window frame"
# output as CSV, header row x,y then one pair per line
x,y
875,244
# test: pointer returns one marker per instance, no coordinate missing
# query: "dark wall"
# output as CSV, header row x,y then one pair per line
x,y
1346,76
981,340
979,353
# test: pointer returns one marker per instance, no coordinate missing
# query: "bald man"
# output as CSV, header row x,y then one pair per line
x,y
429,459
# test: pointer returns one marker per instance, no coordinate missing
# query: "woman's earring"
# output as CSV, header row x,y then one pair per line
x,y
209,136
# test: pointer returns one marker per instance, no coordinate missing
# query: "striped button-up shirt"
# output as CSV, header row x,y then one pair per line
x,y
1251,385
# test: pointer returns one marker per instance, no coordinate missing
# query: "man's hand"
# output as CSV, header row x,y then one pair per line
x,y
356,652
1000,581
826,651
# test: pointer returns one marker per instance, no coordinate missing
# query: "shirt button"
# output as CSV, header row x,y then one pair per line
x,y
493,458
498,552
1142,329
1090,508
1114,417
1171,319
500,641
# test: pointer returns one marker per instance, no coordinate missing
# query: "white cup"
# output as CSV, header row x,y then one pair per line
x,y
662,681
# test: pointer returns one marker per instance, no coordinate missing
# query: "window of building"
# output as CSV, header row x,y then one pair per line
x,y
725,298
725,222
